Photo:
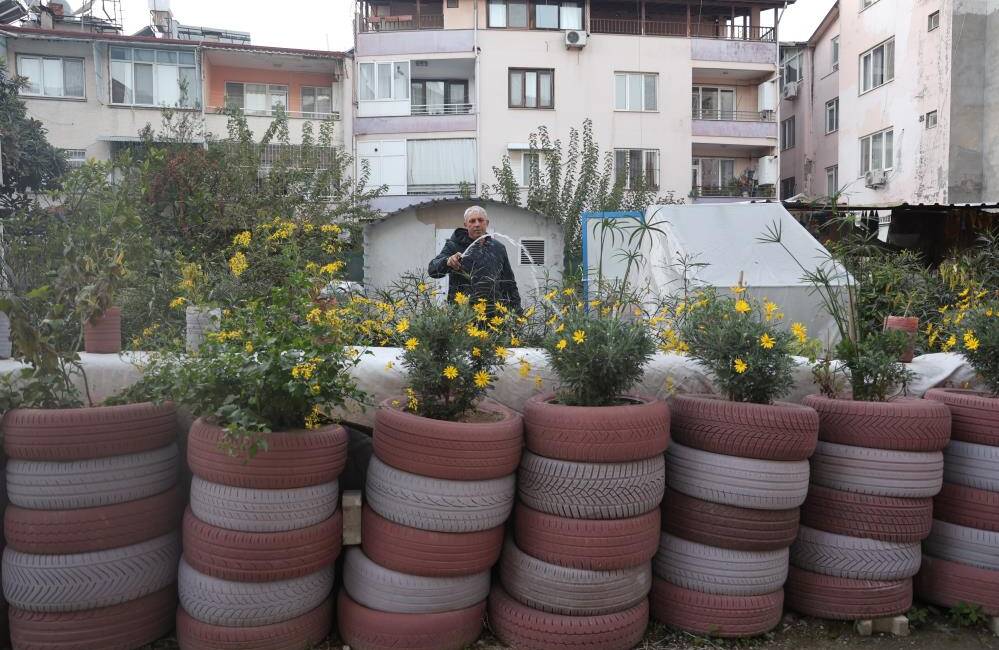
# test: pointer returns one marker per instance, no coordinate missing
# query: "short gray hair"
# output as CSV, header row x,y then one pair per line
x,y
473,209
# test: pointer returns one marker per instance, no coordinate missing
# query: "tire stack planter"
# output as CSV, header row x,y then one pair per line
x,y
577,573
261,537
438,494
92,540
737,474
961,555
874,473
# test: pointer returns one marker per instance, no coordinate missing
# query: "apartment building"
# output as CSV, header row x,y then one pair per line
x,y
683,93
894,101
95,88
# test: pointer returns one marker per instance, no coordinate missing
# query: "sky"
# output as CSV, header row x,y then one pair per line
x,y
326,24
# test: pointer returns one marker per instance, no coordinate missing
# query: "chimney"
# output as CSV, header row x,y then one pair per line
x,y
45,17
162,18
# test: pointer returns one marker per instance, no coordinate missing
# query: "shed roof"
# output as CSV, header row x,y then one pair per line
x,y
452,200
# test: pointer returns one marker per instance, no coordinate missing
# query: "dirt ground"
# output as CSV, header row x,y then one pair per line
x,y
936,633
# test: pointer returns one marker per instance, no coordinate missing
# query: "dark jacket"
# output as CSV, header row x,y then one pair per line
x,y
485,270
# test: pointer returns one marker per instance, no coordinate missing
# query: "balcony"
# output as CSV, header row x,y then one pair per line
x,y
681,29
734,124
440,109
400,23
732,191
302,115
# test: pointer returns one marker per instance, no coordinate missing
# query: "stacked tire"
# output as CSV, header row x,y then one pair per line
x,y
874,474
577,573
961,555
92,540
437,497
737,474
261,538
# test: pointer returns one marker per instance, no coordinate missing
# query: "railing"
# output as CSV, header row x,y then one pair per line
x,y
732,191
440,109
734,116
449,188
400,23
305,115
681,29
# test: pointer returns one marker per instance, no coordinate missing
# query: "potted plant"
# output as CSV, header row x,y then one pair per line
x,y
908,325
201,317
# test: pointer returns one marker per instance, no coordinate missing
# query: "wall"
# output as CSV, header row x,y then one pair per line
x,y
968,86
990,139
822,149
406,242
793,160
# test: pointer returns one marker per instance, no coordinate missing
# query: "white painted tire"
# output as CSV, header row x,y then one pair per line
x,y
978,548
879,472
855,558
722,571
262,511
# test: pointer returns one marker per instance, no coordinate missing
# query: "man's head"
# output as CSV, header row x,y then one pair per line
x,y
476,221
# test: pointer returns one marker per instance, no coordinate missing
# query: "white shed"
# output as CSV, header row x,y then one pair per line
x,y
406,240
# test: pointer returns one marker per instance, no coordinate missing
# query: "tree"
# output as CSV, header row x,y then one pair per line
x,y
571,182
29,163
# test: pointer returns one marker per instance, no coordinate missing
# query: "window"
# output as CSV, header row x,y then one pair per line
x,y
532,252
532,88
637,167
384,81
864,4
440,166
790,67
75,157
154,77
530,163
787,188
316,101
832,180
787,134
835,53
832,115
931,119
877,66
508,13
635,91
256,99
543,14
933,21
452,4
440,97
709,103
877,151
713,174
51,76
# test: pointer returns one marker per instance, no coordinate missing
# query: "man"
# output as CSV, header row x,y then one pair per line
x,y
477,264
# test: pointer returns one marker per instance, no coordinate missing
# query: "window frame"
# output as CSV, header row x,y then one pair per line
x,y
935,117
834,105
194,100
655,183
531,22
447,84
392,80
698,161
785,60
269,92
523,72
627,91
885,78
832,172
870,153
525,172
316,114
784,146
41,58
834,53
721,113
794,187
929,21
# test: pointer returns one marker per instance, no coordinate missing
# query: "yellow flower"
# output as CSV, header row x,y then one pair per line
x,y
177,302
537,382
560,328
395,403
525,368
514,342
238,264
529,312
594,304
402,325
501,352
550,295
970,341
496,320
314,417
738,289
332,267
242,239
248,347
314,316
964,294
316,389
767,342
561,344
741,306
482,379
460,298
949,343
800,331
570,291
768,309
421,287
739,366
228,335
476,352
411,343
330,228
450,372
303,370
579,336
311,267
390,365
308,227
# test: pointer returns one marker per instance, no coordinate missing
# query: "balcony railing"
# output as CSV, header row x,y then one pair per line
x,y
450,188
734,116
733,191
304,115
400,23
681,28
440,109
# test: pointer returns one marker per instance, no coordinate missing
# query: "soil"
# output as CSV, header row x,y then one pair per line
x,y
473,417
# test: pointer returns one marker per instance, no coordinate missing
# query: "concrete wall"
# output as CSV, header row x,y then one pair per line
x,y
990,135
407,241
973,137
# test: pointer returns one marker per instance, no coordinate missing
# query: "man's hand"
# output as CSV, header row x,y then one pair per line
x,y
455,261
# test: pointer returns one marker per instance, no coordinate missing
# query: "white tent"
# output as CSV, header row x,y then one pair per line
x,y
724,240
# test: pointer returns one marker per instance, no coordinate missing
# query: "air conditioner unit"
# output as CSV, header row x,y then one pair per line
x,y
790,90
575,39
875,178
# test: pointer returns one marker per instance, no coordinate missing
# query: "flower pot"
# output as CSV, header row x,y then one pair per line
x,y
461,451
909,325
779,431
901,424
634,430
200,321
4,336
974,414
102,333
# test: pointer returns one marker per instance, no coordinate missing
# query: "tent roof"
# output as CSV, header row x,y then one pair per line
x,y
725,238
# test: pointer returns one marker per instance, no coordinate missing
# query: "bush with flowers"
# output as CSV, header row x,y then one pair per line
x,y
971,326
280,360
743,343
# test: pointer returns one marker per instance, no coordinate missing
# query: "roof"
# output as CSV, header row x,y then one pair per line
x,y
458,199
827,21
122,38
925,207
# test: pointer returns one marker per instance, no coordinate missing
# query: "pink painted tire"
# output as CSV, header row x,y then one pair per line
x,y
713,614
300,632
974,414
845,599
947,583
902,424
367,629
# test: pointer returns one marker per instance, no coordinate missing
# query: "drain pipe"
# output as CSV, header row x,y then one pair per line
x,y
478,98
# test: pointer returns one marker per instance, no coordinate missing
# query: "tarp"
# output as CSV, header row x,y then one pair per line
x,y
723,243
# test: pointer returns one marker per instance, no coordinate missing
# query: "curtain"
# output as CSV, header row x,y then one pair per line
x,y
441,162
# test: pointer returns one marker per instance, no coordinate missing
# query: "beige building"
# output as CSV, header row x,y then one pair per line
x,y
684,94
894,101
